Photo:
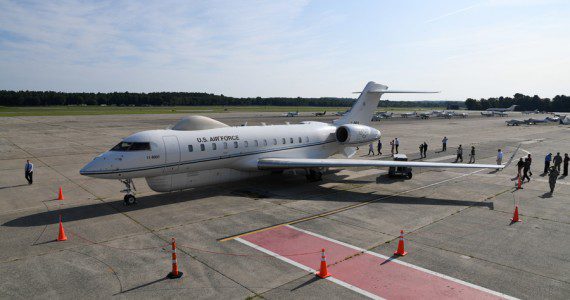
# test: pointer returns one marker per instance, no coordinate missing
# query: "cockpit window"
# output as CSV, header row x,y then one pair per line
x,y
128,146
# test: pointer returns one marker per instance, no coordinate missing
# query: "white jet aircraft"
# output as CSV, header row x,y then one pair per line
x,y
200,151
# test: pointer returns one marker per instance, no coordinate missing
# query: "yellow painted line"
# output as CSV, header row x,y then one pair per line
x,y
335,211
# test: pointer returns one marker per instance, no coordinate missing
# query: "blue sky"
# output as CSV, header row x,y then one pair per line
x,y
287,48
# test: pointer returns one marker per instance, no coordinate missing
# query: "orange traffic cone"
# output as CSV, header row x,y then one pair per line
x,y
401,251
60,197
61,236
519,184
323,273
516,215
174,273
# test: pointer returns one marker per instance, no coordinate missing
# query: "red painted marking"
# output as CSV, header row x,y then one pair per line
x,y
373,274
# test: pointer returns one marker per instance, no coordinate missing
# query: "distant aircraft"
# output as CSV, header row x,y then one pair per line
x,y
341,113
291,114
319,114
408,114
200,151
494,113
496,109
382,115
514,122
425,115
528,112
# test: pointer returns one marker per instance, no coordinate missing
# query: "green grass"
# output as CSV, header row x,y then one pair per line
x,y
6,111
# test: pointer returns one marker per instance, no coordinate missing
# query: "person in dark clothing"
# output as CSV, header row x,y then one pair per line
x,y
379,147
396,144
566,160
472,155
425,149
557,161
392,147
459,154
552,177
547,160
444,144
529,159
421,150
520,166
29,172
526,169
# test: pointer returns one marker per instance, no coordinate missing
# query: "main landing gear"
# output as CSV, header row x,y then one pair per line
x,y
130,189
314,175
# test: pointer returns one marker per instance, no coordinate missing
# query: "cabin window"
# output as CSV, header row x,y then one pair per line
x,y
300,140
256,143
274,141
291,140
225,145
245,144
202,147
190,148
235,144
264,142
214,146
283,141
306,139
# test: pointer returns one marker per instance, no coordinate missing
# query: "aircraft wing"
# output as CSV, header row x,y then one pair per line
x,y
301,163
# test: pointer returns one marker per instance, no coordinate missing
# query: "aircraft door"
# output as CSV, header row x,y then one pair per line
x,y
171,154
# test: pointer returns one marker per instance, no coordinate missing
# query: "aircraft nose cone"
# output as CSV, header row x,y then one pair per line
x,y
87,169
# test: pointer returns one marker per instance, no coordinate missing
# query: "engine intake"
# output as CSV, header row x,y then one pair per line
x,y
356,134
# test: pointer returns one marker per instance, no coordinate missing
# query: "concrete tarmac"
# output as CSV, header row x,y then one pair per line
x,y
457,222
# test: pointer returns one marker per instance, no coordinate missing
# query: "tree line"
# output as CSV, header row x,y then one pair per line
x,y
560,103
47,98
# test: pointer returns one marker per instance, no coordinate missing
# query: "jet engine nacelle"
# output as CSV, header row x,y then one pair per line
x,y
356,134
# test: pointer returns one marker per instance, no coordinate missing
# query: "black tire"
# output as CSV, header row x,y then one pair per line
x,y
409,175
130,199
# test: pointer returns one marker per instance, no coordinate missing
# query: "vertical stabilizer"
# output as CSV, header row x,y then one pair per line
x,y
362,111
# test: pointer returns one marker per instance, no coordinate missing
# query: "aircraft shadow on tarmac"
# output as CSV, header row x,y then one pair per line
x,y
314,192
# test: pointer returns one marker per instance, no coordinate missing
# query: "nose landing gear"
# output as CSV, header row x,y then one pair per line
x,y
130,189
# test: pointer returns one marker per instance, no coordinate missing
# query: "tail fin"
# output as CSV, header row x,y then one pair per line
x,y
362,111
512,108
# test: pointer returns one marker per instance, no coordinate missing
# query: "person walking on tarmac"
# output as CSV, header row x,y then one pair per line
x,y
472,155
552,177
529,160
371,149
459,154
499,157
379,147
392,147
397,144
29,172
557,161
425,149
526,170
421,150
547,160
520,166
566,160
444,144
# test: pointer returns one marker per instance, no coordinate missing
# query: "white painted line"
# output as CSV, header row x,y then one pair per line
x,y
310,270
406,264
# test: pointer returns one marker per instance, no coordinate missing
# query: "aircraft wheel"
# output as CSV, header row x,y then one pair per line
x,y
130,199
409,175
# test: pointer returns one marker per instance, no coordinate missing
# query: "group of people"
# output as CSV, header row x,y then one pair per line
x,y
394,145
459,157
554,171
523,167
